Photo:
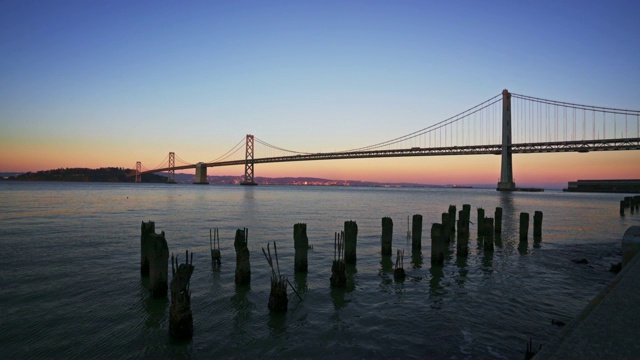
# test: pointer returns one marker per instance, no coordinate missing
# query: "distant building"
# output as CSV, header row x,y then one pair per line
x,y
605,186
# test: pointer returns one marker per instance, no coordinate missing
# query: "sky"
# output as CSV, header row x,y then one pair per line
x,y
108,83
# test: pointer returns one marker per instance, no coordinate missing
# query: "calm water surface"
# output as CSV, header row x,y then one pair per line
x,y
71,287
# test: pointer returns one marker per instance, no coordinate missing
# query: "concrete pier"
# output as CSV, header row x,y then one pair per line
x,y
201,174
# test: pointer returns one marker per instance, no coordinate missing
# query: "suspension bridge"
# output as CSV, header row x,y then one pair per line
x,y
538,126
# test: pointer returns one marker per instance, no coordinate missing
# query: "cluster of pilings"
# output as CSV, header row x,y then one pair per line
x,y
488,228
630,202
155,256
154,263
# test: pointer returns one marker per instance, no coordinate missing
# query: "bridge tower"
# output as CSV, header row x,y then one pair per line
x,y
248,163
506,172
172,171
138,170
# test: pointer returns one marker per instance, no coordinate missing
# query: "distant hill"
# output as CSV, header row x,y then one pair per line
x,y
109,174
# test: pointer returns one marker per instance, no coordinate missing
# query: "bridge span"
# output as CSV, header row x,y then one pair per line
x,y
547,127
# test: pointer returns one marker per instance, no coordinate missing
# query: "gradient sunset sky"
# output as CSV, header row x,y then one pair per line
x,y
108,83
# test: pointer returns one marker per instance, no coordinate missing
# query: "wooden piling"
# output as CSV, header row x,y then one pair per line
x,y
416,232
488,234
524,226
338,268
387,235
278,301
452,219
463,225
180,316
154,259
621,207
350,241
243,266
398,271
498,220
214,244
301,246
437,244
446,232
480,221
537,225
462,245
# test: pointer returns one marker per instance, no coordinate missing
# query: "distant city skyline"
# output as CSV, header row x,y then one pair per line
x,y
105,84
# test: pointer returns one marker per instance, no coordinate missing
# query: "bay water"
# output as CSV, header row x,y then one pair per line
x,y
70,284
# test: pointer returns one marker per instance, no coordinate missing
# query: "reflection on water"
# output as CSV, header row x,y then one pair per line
x,y
277,323
300,279
338,298
416,259
523,247
242,306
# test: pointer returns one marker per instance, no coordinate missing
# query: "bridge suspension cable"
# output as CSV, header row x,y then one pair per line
x,y
279,148
233,150
182,161
543,120
437,126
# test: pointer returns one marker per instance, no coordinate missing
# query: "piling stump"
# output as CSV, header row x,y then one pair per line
x,y
498,221
480,221
214,244
466,209
398,271
338,268
154,259
524,226
180,316
537,225
278,301
488,234
243,266
416,232
621,207
301,245
452,219
463,225
147,228
387,235
437,244
350,241
446,230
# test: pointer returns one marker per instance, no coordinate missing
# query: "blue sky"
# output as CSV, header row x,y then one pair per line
x,y
108,83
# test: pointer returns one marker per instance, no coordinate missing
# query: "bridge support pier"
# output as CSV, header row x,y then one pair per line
x,y
201,174
506,172
248,162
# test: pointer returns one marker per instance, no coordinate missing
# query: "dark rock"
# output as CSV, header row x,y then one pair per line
x,y
615,268
580,261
